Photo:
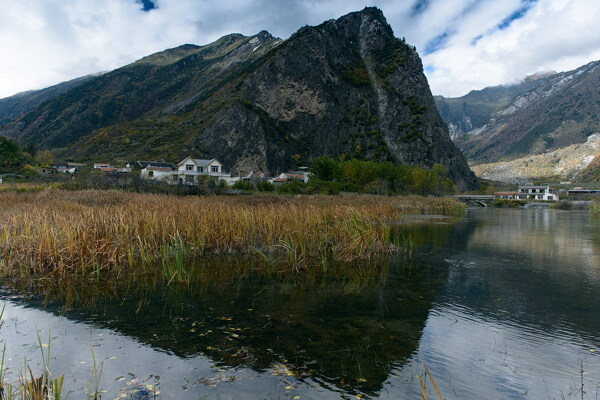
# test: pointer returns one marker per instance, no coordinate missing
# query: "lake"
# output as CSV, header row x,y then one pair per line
x,y
500,304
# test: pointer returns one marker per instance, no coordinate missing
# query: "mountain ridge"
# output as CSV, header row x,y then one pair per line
x,y
561,111
347,87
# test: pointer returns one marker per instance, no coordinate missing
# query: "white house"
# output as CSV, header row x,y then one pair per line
x,y
536,193
186,172
190,168
159,173
102,165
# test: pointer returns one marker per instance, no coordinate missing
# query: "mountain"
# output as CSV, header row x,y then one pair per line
x,y
476,108
577,162
16,106
347,87
561,111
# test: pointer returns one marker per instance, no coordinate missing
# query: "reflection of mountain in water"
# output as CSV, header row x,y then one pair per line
x,y
536,268
344,332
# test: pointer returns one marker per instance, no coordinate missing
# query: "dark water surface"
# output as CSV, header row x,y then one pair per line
x,y
501,304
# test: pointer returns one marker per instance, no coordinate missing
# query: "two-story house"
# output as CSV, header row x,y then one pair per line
x,y
190,169
536,193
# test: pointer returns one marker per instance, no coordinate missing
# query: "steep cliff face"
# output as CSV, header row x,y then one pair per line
x,y
348,86
345,88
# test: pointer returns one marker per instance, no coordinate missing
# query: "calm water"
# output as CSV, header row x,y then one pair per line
x,y
501,304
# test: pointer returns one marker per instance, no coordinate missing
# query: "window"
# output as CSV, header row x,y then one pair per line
x,y
214,168
201,169
151,174
189,167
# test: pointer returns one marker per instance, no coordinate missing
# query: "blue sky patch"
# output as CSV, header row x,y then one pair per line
x,y
476,39
419,7
148,5
437,42
519,13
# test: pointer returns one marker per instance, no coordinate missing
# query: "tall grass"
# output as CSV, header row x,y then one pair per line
x,y
595,209
94,233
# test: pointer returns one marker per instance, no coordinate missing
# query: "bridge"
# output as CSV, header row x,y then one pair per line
x,y
476,200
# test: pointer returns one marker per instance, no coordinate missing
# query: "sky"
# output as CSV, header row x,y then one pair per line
x,y
464,44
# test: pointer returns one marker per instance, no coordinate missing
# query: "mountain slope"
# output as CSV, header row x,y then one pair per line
x,y
16,106
346,88
577,162
561,111
153,86
476,108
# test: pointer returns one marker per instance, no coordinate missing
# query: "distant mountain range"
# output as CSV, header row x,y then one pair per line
x,y
476,108
550,115
347,87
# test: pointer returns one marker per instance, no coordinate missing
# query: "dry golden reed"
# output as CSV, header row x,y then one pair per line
x,y
92,232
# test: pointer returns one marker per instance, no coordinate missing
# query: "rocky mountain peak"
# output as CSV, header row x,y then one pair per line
x,y
345,88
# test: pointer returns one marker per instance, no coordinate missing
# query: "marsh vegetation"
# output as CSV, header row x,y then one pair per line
x,y
104,233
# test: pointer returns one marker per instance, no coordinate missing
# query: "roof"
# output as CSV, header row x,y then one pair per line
x,y
108,169
200,162
506,193
144,164
534,187
296,176
158,168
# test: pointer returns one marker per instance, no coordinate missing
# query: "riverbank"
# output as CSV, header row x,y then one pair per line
x,y
105,233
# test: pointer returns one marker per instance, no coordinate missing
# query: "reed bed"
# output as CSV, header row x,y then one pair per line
x,y
89,233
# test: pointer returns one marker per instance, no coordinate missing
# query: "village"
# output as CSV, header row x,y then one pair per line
x,y
188,172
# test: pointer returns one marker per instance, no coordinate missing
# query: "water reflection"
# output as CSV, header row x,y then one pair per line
x,y
518,316
342,333
501,304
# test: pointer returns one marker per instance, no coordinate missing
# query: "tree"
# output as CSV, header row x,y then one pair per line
x,y
323,168
30,148
45,158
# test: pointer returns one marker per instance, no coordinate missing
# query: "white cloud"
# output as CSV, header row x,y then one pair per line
x,y
44,42
554,35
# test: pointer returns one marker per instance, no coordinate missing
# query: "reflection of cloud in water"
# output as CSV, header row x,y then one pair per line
x,y
470,355
554,236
